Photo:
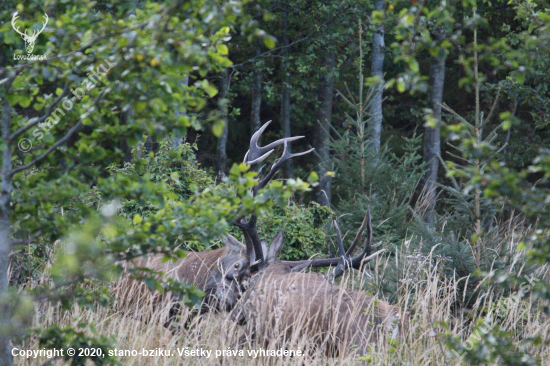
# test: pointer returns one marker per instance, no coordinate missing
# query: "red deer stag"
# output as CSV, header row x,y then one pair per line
x,y
222,274
218,273
282,299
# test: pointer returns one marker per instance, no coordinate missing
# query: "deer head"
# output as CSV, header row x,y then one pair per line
x,y
230,280
29,39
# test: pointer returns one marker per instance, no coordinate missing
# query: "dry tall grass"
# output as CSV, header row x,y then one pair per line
x,y
427,296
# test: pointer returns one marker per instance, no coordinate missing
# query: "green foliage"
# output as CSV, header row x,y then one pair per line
x,y
304,235
470,233
147,51
365,178
141,52
489,182
83,260
492,344
80,207
174,168
69,337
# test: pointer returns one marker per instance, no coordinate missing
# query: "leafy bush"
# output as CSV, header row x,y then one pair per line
x,y
303,229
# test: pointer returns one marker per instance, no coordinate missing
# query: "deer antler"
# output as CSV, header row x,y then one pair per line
x,y
13,19
345,261
255,155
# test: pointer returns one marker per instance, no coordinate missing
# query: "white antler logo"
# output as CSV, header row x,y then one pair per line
x,y
29,40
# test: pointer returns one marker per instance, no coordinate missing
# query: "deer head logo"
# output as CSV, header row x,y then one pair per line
x,y
29,40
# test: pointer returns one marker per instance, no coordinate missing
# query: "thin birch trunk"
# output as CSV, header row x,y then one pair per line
x,y
321,133
288,168
377,70
6,358
432,136
221,152
256,95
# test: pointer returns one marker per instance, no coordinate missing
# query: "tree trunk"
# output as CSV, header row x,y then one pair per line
x,y
123,117
432,136
221,153
321,133
256,95
288,167
178,136
5,242
377,69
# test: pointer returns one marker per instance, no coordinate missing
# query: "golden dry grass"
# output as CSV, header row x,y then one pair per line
x,y
428,297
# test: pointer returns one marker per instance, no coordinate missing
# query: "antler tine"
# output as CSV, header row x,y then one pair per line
x,y
258,159
366,221
372,256
368,243
275,167
301,153
276,143
256,136
341,249
366,256
255,152
345,261
271,147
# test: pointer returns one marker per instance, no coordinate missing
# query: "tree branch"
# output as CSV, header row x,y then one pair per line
x,y
26,241
267,53
23,129
60,142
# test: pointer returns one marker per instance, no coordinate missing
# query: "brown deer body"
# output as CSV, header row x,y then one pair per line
x,y
218,273
283,300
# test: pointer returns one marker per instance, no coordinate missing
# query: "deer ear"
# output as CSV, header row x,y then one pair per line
x,y
274,247
233,244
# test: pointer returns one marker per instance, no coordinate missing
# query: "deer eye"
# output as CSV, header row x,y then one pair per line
x,y
237,265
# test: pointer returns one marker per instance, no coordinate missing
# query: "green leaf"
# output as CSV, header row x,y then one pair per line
x,y
209,88
269,42
25,101
12,99
222,49
401,86
217,128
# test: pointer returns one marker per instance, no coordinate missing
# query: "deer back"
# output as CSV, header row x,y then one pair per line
x,y
281,303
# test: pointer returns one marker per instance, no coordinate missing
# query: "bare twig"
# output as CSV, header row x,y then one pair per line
x,y
60,142
268,53
22,130
28,240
